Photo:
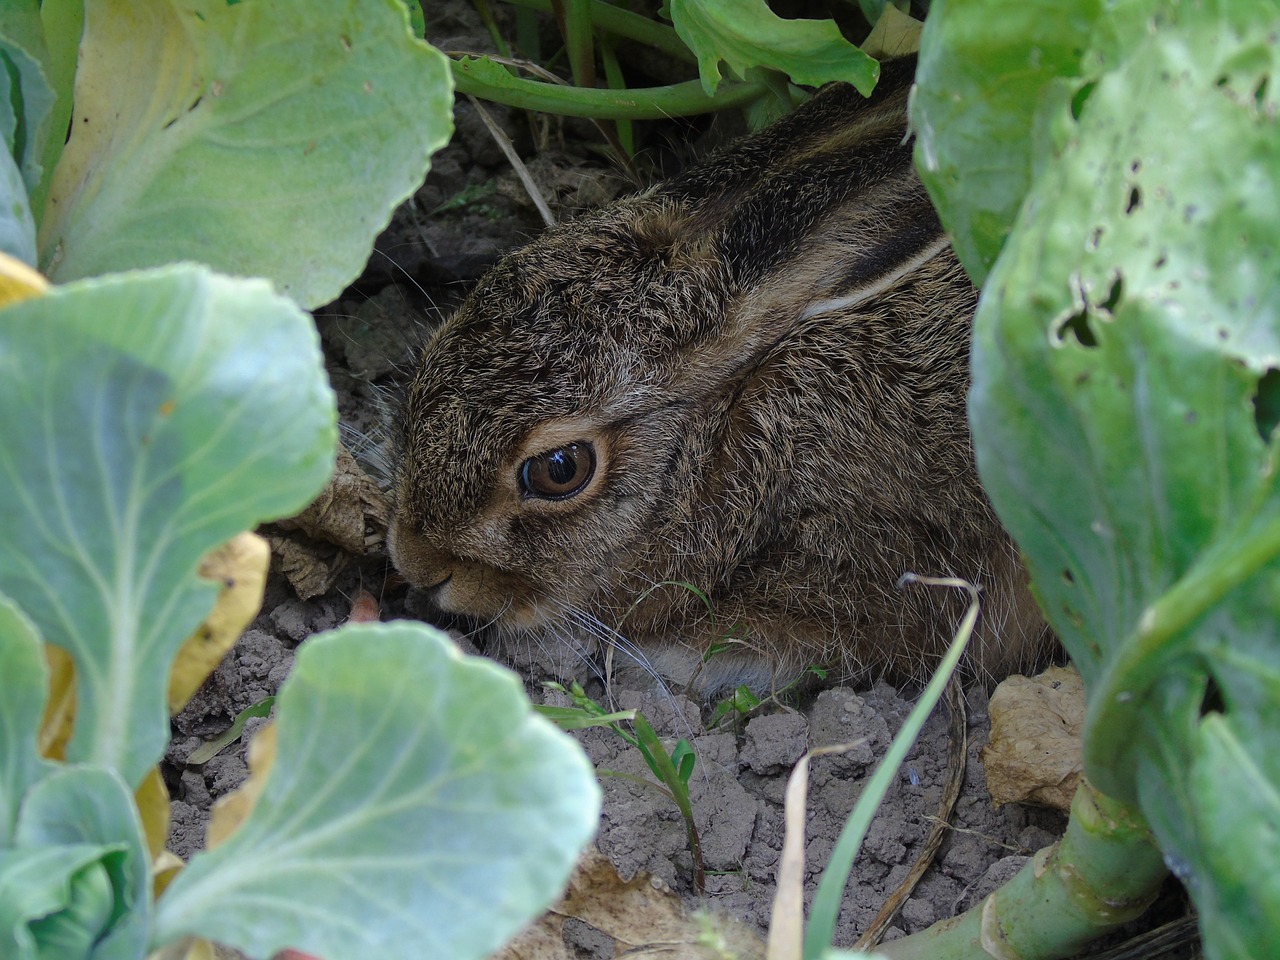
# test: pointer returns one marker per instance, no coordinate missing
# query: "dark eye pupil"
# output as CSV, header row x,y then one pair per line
x,y
561,465
558,474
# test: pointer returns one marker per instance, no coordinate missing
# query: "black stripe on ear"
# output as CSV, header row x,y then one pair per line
x,y
757,203
837,106
772,223
904,241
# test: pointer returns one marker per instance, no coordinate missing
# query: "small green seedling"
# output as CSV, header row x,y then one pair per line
x,y
471,198
742,703
672,769
737,705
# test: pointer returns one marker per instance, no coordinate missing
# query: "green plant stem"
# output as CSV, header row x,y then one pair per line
x,y
624,23
660,762
574,17
650,103
1115,706
528,40
613,78
495,35
1104,872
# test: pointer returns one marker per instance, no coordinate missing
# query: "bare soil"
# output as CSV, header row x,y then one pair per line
x,y
736,788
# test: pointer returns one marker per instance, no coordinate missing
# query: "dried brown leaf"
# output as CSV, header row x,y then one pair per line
x,y
644,918
60,708
18,281
347,519
350,512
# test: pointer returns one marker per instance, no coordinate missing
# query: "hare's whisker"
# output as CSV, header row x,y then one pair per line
x,y
635,654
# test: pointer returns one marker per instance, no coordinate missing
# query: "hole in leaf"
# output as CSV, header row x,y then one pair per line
x,y
1135,166
1095,238
1113,297
1078,326
1211,701
1266,404
1161,260
1068,577
1080,99
1260,92
1135,200
1074,616
1222,81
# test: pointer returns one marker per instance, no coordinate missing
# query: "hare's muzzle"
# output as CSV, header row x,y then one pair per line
x,y
421,564
459,585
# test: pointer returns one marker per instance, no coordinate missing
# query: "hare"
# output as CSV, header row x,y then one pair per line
x,y
723,416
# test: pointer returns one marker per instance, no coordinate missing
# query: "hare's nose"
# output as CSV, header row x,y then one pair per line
x,y
419,561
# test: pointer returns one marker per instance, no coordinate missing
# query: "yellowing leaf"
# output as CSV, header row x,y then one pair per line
x,y
193,948
60,708
895,34
152,798
240,565
18,281
263,139
229,812
163,869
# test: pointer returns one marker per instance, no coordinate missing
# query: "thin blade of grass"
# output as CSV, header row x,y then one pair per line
x,y
210,749
826,903
574,718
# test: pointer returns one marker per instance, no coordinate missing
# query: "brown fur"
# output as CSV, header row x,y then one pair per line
x,y
765,431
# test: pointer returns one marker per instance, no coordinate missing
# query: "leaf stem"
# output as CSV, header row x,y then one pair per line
x,y
649,103
1104,872
574,17
1142,660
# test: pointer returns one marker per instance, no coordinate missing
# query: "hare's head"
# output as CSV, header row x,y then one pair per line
x,y
542,430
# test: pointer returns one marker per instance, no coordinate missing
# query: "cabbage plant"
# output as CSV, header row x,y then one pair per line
x,y
409,802
1111,172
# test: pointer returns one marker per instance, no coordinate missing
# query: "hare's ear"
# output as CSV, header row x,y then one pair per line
x,y
824,205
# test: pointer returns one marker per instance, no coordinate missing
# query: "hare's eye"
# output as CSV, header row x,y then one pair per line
x,y
560,473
